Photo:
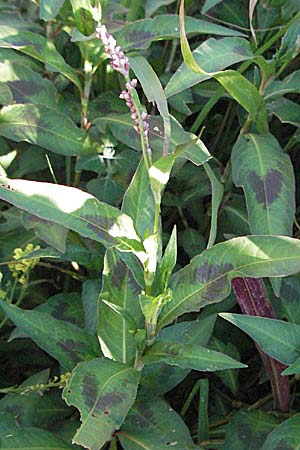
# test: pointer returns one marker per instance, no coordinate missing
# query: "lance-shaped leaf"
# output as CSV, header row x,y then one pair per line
x,y
103,391
207,278
32,438
278,88
217,197
26,85
266,174
189,356
39,48
119,311
64,341
142,33
154,92
49,10
74,209
46,127
138,202
286,111
277,338
244,92
152,425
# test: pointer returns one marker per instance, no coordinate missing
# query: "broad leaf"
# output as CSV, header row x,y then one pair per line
x,y
212,56
119,310
39,48
286,111
142,33
103,391
286,435
73,209
278,88
31,438
49,232
26,85
64,341
277,338
248,430
49,10
45,127
207,278
152,425
266,174
189,356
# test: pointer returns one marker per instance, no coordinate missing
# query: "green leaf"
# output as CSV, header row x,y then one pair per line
x,y
83,16
153,425
217,197
212,56
118,304
26,85
90,299
64,341
189,356
230,376
31,438
46,127
142,33
277,338
38,48
207,278
287,434
208,4
49,10
168,261
138,202
293,368
192,242
152,5
49,232
266,174
277,88
23,407
286,111
73,209
248,430
160,377
154,92
103,391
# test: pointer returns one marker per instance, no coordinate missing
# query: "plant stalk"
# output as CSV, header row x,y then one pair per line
x,y
253,300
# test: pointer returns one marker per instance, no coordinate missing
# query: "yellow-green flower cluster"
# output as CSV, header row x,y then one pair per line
x,y
20,269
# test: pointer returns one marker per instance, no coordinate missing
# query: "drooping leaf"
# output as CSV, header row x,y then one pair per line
x,y
286,111
138,202
64,341
286,435
217,197
49,232
160,378
26,85
142,33
266,175
189,356
277,338
207,278
212,56
154,92
73,209
46,127
103,391
248,430
119,310
49,10
32,438
278,88
152,5
152,425
39,48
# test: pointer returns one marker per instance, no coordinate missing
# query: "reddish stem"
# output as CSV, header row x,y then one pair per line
x,y
254,301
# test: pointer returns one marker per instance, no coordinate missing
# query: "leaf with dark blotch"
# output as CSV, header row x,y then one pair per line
x,y
103,391
40,48
73,209
64,341
207,278
142,33
120,289
45,127
266,175
154,425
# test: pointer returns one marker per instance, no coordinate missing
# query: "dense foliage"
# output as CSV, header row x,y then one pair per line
x,y
150,253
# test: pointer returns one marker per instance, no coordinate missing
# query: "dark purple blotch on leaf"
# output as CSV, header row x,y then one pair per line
x,y
72,348
214,273
267,188
21,89
89,389
138,38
